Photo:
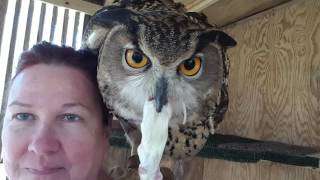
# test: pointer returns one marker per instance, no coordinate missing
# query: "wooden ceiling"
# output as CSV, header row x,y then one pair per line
x,y
222,12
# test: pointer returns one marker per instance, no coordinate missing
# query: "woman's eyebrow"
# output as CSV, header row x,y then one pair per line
x,y
17,103
70,105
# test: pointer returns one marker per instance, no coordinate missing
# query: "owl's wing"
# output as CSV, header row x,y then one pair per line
x,y
221,105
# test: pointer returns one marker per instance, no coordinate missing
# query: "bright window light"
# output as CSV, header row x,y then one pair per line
x,y
5,44
70,31
35,23
22,24
80,31
59,26
48,26
47,23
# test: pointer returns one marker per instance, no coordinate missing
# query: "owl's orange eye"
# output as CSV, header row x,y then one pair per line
x,y
190,67
136,59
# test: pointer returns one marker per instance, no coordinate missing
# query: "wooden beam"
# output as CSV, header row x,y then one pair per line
x,y
239,149
197,5
225,12
99,2
80,5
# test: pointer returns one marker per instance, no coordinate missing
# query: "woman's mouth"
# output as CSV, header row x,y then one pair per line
x,y
44,171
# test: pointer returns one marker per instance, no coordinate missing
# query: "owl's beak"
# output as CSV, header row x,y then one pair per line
x,y
161,94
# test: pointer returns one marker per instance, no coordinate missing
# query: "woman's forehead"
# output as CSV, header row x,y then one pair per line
x,y
51,81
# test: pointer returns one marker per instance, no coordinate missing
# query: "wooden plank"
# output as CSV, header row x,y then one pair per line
x,y
197,5
65,27
53,22
10,58
274,76
3,10
41,22
118,157
235,148
186,169
28,28
224,170
75,33
87,7
192,168
99,2
225,12
13,43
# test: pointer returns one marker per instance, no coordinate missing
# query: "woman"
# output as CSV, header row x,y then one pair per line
x,y
55,126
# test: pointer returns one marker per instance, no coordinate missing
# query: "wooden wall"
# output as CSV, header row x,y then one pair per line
x,y
275,75
274,91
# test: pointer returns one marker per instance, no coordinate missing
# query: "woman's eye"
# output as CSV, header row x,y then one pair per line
x,y
24,116
190,67
136,59
71,118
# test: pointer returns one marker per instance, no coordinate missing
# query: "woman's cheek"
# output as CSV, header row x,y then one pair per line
x,y
15,143
78,142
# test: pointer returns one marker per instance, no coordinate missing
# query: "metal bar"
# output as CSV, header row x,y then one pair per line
x,y
83,6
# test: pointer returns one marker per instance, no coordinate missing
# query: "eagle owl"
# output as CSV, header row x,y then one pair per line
x,y
153,50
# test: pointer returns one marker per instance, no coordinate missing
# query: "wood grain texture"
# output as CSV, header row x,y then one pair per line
x,y
117,157
100,2
197,5
274,76
225,12
187,169
274,89
224,170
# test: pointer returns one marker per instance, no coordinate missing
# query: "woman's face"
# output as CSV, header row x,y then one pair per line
x,y
53,126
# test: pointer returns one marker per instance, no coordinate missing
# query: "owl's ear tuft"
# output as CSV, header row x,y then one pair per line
x,y
111,17
219,37
102,22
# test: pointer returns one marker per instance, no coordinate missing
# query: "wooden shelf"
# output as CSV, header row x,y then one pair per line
x,y
239,149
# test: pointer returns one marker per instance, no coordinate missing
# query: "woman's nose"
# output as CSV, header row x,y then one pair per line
x,y
44,141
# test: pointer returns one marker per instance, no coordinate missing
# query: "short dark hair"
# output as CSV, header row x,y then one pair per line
x,y
50,54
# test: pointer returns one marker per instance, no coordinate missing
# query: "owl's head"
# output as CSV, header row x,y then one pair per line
x,y
163,54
